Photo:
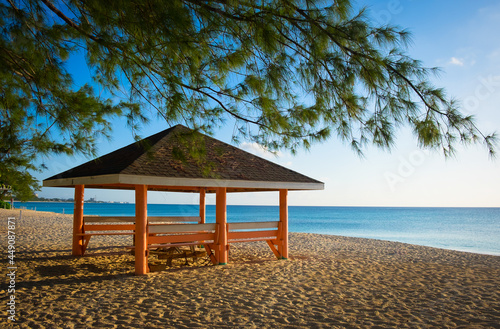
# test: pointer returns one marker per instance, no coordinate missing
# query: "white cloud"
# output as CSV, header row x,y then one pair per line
x,y
494,55
263,152
456,61
259,150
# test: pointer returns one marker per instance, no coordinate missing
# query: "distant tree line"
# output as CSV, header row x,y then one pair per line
x,y
36,198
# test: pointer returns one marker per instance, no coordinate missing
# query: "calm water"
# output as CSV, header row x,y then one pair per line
x,y
465,229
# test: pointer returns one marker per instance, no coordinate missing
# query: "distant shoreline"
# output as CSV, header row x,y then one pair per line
x,y
263,205
110,202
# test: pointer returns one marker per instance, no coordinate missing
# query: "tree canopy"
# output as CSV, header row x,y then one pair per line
x,y
288,73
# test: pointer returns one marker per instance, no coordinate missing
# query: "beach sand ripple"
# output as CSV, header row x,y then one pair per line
x,y
328,282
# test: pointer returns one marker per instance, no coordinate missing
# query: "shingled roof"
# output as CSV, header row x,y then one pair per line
x,y
163,162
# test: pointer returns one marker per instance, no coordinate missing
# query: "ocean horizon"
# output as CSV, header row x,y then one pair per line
x,y
474,230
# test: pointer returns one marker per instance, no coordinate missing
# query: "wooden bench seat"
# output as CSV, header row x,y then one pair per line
x,y
168,245
107,233
252,231
105,226
124,225
255,231
178,235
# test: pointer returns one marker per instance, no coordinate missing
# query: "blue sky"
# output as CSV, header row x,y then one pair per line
x,y
461,37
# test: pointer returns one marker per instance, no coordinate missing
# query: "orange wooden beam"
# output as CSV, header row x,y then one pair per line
x,y
208,248
141,221
283,246
86,239
271,234
78,243
273,248
202,205
221,218
109,227
158,239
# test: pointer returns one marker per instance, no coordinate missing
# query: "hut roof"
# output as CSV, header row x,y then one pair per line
x,y
163,162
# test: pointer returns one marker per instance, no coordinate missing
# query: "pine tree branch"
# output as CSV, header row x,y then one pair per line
x,y
68,20
352,51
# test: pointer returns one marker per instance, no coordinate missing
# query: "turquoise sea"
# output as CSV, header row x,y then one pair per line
x,y
465,229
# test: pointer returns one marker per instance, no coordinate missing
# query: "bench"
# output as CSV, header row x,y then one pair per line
x,y
255,231
122,225
105,225
177,235
168,232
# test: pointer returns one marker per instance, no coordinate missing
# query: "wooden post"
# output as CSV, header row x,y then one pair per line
x,y
141,221
78,221
221,220
284,224
202,205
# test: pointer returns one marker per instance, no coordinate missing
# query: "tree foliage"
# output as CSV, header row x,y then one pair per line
x,y
288,72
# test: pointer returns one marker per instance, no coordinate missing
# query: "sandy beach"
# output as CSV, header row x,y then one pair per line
x,y
328,282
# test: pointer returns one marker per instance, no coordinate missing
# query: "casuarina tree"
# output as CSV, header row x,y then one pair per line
x,y
286,73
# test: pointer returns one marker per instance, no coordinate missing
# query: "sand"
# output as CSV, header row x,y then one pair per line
x,y
328,282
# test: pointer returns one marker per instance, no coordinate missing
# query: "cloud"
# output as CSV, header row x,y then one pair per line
x,y
278,157
263,152
494,55
259,150
456,61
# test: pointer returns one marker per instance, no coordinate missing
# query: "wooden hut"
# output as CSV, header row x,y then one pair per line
x,y
162,162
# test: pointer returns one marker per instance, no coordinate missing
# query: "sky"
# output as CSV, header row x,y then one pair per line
x,y
459,36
